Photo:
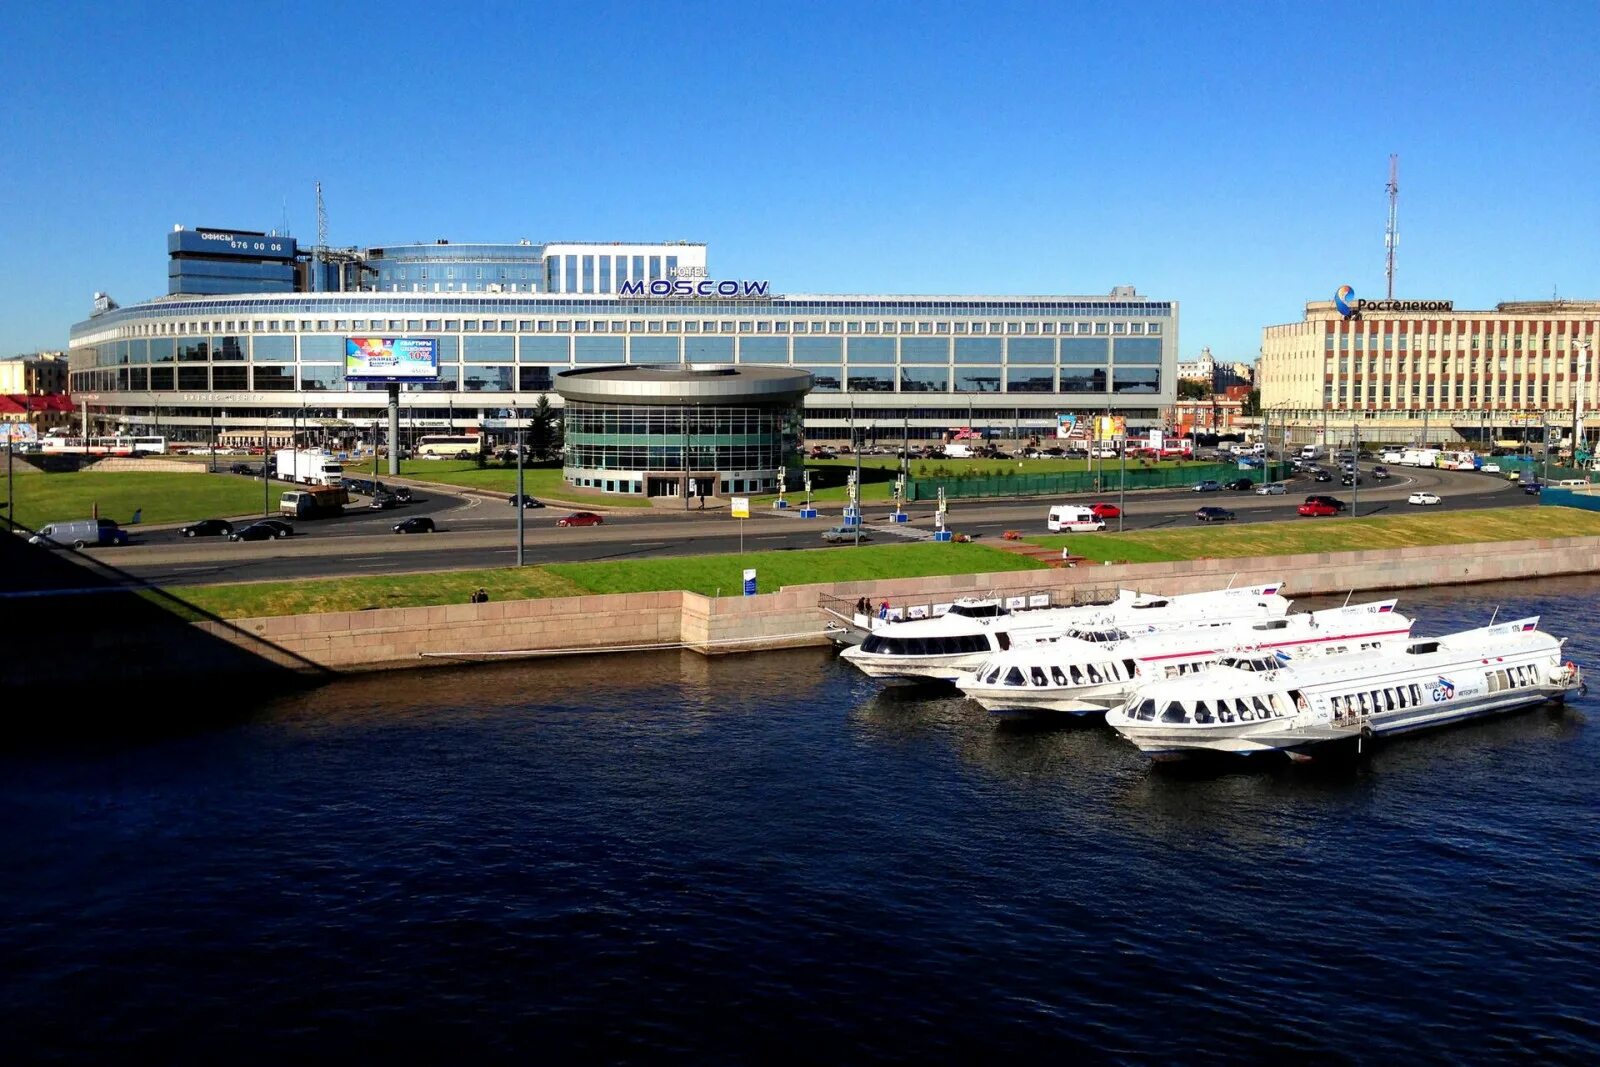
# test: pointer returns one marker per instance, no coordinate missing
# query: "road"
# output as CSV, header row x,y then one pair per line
x,y
481,532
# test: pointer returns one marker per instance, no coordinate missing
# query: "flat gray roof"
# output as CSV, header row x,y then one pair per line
x,y
684,383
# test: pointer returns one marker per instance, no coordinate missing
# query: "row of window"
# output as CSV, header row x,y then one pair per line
x,y
648,458
1218,709
1039,351
1454,342
740,326
1071,675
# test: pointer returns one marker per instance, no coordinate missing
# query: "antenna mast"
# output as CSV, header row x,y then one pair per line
x,y
1391,233
322,216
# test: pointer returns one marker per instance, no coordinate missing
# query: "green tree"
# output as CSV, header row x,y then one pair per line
x,y
1252,403
1190,389
543,434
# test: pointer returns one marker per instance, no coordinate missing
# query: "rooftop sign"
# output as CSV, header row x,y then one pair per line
x,y
1351,308
704,287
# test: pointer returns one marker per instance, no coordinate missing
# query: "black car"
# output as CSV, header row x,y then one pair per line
x,y
382,501
1332,501
1321,475
265,530
1380,473
243,468
1532,488
207,528
527,501
415,524
1350,478
1213,514
1240,485
402,494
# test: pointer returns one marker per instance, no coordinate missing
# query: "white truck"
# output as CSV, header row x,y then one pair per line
x,y
304,467
1419,457
1310,452
955,451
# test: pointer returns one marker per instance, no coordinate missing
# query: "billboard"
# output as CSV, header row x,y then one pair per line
x,y
391,359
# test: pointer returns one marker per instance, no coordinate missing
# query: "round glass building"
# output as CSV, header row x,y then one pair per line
x,y
685,429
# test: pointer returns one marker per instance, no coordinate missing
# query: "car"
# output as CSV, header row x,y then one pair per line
x,y
1210,485
527,501
580,518
281,527
1533,488
1240,485
1423,498
1316,508
244,468
1321,475
1322,498
207,528
415,524
1105,511
1490,468
1349,478
1212,514
402,494
1272,489
836,535
382,501
1380,473
257,531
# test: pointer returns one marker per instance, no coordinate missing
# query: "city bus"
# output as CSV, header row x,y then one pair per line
x,y
104,446
454,446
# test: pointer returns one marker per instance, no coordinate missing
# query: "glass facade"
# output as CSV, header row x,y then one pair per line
x,y
733,448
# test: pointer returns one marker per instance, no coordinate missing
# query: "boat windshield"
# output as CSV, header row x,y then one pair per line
x,y
977,611
1100,637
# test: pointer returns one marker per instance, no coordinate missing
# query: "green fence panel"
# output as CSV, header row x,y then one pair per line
x,y
959,486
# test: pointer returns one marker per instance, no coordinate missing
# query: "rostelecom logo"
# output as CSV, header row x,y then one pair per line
x,y
1344,300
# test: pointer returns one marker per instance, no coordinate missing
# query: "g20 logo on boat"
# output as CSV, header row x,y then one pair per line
x,y
1442,690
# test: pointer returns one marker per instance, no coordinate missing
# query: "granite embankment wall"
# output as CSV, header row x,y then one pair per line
x,y
409,637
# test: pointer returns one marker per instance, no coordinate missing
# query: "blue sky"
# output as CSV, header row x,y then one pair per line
x,y
1232,158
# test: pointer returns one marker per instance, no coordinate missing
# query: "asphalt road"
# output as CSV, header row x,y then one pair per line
x,y
480,532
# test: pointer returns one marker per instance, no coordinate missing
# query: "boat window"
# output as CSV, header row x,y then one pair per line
x,y
1038,676
1174,712
1077,675
1262,711
1416,694
873,644
991,676
977,611
916,646
1147,711
1388,700
1094,675
1361,698
1058,676
1202,713
1131,667
1241,707
1244,712
1003,639
1271,624
1418,648
1141,605
1227,661
1172,671
1224,713
1014,676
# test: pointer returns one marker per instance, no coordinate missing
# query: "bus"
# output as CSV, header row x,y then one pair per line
x,y
104,446
455,446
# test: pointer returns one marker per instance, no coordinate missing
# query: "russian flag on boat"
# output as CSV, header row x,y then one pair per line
x,y
1385,607
1529,625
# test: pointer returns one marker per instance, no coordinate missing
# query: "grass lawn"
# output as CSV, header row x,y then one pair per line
x,y
256,599
164,497
1330,535
840,563
539,481
703,574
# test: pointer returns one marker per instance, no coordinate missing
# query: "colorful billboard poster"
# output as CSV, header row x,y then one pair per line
x,y
391,359
1066,426
1110,427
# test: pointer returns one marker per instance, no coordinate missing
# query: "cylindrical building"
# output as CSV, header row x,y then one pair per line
x,y
681,429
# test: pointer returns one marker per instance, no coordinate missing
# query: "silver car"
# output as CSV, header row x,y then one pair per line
x,y
1271,489
843,535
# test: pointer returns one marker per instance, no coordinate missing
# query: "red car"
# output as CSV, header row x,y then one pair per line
x,y
1105,511
580,518
1317,510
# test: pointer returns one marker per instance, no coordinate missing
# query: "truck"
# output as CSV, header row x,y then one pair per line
x,y
1419,457
1311,452
954,451
314,503
304,467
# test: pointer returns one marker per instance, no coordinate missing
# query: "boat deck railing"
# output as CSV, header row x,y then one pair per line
x,y
847,611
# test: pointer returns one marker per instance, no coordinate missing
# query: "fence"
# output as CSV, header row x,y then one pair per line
x,y
1089,481
1568,498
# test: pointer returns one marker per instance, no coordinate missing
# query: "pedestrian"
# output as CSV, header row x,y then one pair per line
x,y
883,611
483,595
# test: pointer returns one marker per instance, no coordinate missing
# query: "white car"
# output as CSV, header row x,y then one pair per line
x,y
1271,489
1490,468
1423,498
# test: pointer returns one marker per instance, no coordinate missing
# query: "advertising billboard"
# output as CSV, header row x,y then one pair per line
x,y
391,359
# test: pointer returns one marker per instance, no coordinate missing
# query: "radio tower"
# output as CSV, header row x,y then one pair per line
x,y
1391,233
321,248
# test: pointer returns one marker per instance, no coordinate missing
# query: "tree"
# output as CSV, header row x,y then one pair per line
x,y
543,435
1252,403
1191,389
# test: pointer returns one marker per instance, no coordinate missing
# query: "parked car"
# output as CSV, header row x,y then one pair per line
x,y
1272,489
1213,514
1240,485
207,528
415,524
526,501
1423,498
580,518
1317,509
1105,511
1210,485
1380,474
836,535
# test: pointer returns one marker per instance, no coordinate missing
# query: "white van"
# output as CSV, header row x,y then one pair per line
x,y
80,533
1073,519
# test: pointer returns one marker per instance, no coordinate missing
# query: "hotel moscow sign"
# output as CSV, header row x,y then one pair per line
x,y
1351,308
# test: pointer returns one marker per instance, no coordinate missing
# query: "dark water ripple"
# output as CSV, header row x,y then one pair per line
x,y
669,858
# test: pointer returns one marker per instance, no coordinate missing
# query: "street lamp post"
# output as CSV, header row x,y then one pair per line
x,y
521,508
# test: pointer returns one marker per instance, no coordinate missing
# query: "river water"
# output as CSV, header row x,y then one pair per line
x,y
663,857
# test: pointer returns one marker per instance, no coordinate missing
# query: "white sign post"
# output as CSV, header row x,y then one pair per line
x,y
741,510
